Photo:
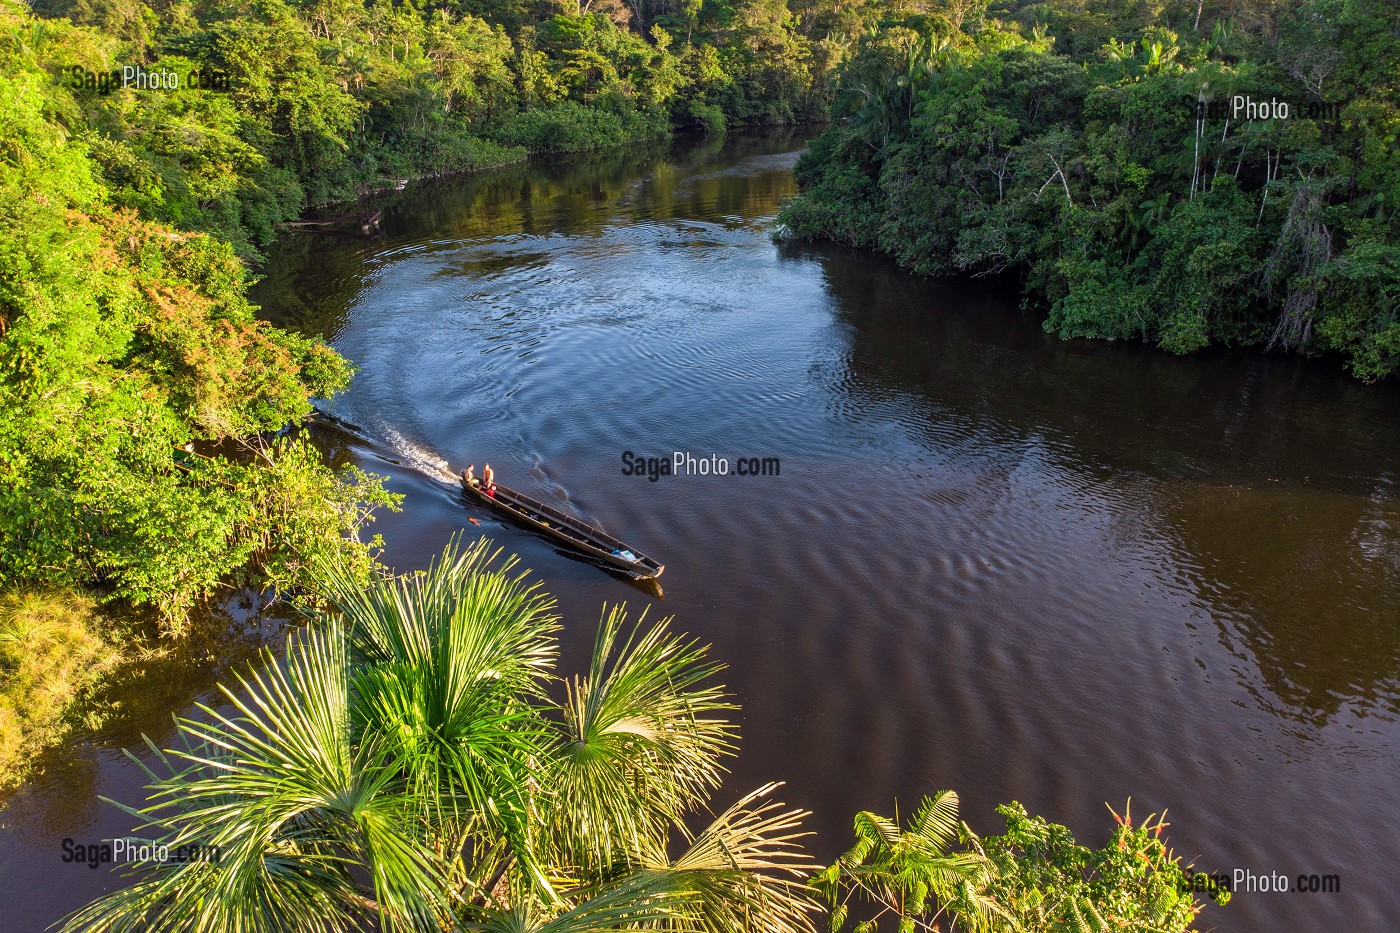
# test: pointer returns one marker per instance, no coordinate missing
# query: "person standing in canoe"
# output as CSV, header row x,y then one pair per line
x,y
469,475
488,479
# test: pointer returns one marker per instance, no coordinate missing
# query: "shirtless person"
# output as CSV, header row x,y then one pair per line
x,y
469,475
488,479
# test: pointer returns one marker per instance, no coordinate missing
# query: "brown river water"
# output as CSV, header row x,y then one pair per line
x,y
1061,573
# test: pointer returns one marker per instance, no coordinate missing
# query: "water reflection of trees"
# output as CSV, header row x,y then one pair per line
x,y
311,282
137,701
1272,482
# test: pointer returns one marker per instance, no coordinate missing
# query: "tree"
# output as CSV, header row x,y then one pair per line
x,y
405,767
911,875
1034,878
122,341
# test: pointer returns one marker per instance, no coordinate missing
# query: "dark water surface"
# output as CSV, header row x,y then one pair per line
x,y
1055,572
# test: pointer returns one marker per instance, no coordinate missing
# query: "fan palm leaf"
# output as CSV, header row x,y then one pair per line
x,y
744,871
291,808
641,742
449,664
402,768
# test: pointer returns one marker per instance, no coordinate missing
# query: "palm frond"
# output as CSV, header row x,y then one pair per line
x,y
641,742
448,665
914,872
936,823
401,768
290,807
635,903
464,618
745,871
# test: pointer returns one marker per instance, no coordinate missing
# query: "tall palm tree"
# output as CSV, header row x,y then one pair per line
x,y
404,768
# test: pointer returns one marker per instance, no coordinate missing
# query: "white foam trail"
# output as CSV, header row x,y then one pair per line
x,y
418,457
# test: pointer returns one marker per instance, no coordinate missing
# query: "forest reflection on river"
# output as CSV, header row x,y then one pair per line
x,y
1271,484
1063,573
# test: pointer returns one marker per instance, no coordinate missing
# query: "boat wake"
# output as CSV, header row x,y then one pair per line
x,y
417,456
393,446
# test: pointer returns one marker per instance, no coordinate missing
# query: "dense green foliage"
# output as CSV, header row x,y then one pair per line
x,y
406,768
938,874
1096,150
285,103
122,341
126,214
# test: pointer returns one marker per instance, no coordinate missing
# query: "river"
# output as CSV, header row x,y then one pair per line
x,y
1056,572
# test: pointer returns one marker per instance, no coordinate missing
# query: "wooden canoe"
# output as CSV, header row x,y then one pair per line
x,y
572,531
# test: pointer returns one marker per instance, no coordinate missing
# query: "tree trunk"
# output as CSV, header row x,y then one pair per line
x,y
1304,247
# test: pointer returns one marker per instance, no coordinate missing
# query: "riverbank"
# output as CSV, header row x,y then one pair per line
x,y
284,109
1126,171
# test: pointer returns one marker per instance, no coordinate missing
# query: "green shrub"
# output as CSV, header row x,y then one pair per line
x,y
573,127
1034,878
706,117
